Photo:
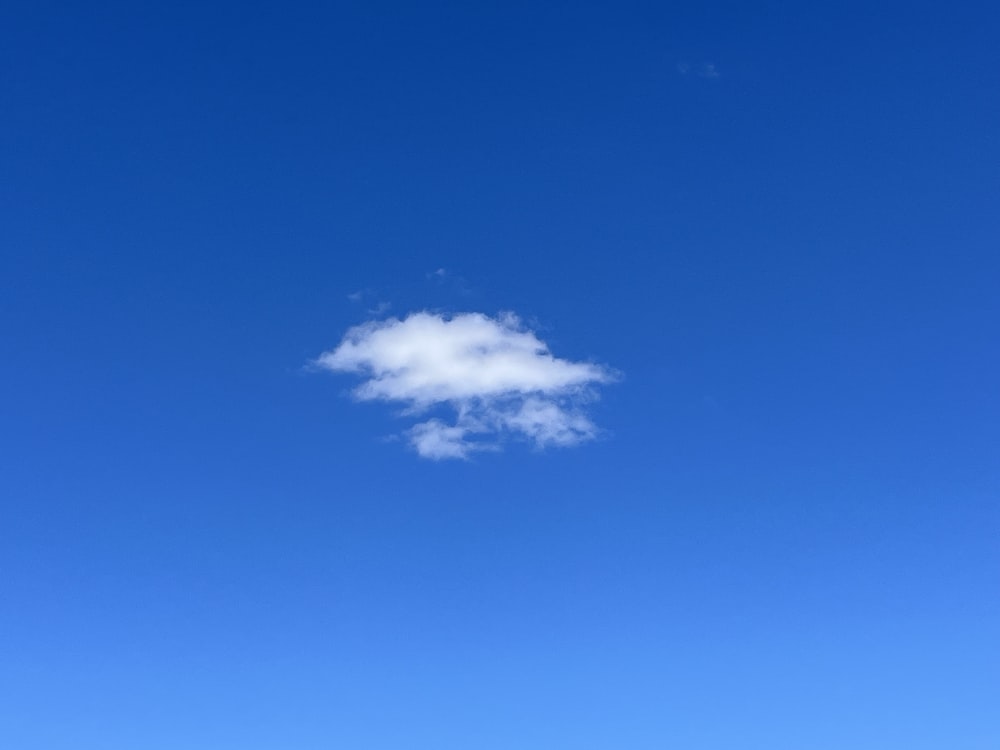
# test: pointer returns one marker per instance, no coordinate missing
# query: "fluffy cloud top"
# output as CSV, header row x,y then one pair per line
x,y
496,377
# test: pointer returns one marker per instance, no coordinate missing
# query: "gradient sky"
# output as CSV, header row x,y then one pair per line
x,y
777,223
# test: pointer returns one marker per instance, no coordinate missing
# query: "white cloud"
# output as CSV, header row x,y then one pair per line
x,y
496,377
434,439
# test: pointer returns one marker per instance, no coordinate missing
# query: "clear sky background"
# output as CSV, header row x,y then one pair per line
x,y
776,221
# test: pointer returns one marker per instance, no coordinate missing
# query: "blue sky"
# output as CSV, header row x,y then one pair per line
x,y
759,243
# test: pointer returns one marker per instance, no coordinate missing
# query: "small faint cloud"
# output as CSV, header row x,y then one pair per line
x,y
447,278
699,70
496,377
380,307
